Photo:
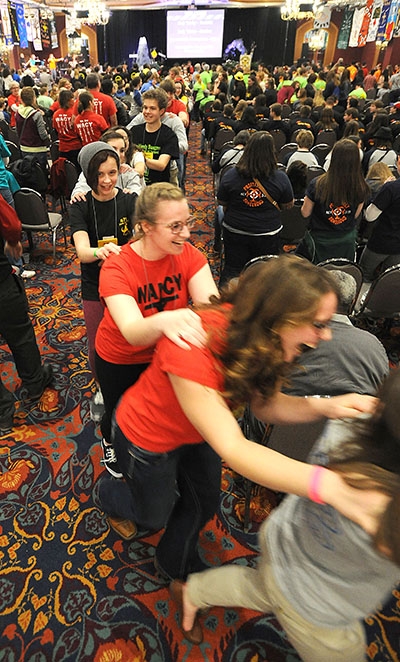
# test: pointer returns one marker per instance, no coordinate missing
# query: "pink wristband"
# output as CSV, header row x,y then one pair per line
x,y
313,488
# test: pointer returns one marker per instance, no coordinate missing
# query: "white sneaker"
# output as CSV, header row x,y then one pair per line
x,y
97,407
26,273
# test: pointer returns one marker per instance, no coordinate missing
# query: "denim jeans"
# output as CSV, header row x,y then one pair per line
x,y
178,490
370,261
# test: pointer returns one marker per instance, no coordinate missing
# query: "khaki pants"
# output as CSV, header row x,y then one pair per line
x,y
234,585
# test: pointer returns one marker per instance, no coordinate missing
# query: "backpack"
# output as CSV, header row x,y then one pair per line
x,y
29,173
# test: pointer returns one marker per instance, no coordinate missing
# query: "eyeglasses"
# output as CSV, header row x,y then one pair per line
x,y
176,228
321,326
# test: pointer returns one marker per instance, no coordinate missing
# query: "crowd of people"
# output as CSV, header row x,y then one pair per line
x,y
173,356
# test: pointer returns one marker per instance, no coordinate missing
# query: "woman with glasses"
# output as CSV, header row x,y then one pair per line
x,y
174,424
146,290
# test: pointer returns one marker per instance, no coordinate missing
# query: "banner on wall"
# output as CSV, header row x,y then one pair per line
x,y
380,35
33,27
392,18
362,37
14,28
322,18
358,18
44,30
6,23
53,31
23,36
345,29
374,22
396,31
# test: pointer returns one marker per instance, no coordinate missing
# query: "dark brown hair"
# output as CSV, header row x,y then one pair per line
x,y
343,183
92,176
259,156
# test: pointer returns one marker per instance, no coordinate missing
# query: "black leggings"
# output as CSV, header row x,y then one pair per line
x,y
114,380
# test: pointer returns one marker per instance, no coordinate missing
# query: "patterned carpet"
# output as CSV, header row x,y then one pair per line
x,y
70,589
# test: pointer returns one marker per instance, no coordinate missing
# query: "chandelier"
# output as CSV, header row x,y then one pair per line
x,y
290,11
90,12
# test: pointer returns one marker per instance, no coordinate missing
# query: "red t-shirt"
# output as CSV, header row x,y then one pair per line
x,y
155,285
13,100
89,126
62,122
175,106
103,105
149,414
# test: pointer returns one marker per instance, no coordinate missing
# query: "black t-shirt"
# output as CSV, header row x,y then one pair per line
x,y
163,141
324,218
385,236
247,208
101,219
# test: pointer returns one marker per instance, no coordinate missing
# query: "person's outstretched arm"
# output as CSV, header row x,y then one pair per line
x,y
209,414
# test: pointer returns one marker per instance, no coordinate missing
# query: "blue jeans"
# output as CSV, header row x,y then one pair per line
x,y
177,490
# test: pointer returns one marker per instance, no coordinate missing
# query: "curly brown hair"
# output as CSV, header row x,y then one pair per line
x,y
269,295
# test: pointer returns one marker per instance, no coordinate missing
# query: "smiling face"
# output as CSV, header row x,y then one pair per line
x,y
152,113
119,146
296,338
107,179
159,240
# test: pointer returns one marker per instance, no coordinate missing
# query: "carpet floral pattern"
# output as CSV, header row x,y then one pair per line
x,y
70,589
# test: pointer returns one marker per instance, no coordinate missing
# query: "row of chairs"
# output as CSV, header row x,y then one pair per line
x,y
381,300
320,151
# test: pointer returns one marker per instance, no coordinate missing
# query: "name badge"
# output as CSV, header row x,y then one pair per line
x,y
107,240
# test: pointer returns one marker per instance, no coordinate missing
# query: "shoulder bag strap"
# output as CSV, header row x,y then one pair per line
x,y
267,195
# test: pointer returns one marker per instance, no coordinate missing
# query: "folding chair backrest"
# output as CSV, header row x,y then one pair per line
x,y
30,207
383,297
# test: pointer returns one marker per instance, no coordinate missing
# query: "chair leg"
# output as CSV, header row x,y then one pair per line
x,y
54,245
64,233
30,241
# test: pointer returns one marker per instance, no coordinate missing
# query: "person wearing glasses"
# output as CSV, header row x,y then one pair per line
x,y
173,426
146,290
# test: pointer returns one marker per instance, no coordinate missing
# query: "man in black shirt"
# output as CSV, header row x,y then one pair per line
x,y
157,141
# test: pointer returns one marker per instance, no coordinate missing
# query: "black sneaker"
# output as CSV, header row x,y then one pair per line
x,y
110,460
47,378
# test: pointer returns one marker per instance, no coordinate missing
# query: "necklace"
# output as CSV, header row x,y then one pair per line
x,y
95,217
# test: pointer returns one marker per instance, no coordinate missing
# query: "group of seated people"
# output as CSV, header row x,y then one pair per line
x,y
340,187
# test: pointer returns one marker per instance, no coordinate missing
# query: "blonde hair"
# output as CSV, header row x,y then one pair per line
x,y
146,208
379,171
